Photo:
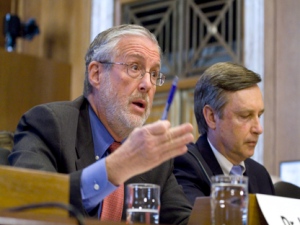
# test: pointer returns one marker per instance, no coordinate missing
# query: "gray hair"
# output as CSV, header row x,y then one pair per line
x,y
214,84
105,47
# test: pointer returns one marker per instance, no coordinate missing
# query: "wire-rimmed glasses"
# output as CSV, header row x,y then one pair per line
x,y
135,71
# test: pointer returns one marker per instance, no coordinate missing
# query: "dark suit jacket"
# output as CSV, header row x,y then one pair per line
x,y
57,137
192,177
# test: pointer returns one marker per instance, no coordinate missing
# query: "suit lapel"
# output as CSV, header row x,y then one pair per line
x,y
252,182
84,144
208,155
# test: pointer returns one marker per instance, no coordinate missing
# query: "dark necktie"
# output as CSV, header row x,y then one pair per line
x,y
236,170
112,206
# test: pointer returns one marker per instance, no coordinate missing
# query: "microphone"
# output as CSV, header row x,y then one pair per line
x,y
14,28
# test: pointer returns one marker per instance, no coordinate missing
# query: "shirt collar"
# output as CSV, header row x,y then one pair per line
x,y
224,163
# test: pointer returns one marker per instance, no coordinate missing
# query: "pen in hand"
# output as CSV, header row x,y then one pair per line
x,y
170,98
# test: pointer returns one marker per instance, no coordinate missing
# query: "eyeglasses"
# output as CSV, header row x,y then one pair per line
x,y
136,71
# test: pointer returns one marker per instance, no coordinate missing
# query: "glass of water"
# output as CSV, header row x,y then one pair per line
x,y
229,200
143,203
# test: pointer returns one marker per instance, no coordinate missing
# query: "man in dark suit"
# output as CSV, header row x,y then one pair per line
x,y
122,71
228,105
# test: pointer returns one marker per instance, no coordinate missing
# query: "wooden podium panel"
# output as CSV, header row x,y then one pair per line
x,y
17,219
201,212
26,81
20,187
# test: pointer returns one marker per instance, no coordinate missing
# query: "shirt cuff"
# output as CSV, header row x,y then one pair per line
x,y
95,185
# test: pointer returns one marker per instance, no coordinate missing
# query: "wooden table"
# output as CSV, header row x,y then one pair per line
x,y
201,212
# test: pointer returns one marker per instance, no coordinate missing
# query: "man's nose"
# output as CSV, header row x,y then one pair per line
x,y
257,127
145,83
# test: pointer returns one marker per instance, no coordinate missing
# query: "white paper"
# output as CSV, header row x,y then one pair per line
x,y
279,210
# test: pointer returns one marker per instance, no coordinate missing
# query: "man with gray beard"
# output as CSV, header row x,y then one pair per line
x,y
122,72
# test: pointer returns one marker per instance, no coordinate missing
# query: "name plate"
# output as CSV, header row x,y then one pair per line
x,y
279,210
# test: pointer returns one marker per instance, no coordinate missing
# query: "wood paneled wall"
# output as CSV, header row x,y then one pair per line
x,y
5,7
282,82
51,66
64,33
27,81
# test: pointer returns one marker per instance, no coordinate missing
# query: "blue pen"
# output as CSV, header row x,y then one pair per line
x,y
170,98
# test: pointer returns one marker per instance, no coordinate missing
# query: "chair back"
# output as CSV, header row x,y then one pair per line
x,y
4,156
25,187
286,189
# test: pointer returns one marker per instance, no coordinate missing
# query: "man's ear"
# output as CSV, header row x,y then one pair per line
x,y
95,71
210,116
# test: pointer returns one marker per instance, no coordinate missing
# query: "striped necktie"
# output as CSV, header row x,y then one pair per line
x,y
112,206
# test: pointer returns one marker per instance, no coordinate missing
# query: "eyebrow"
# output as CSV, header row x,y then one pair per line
x,y
249,110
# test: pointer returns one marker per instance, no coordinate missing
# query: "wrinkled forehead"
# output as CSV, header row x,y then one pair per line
x,y
138,48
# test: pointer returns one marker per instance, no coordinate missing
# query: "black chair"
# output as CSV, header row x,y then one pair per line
x,y
286,189
4,156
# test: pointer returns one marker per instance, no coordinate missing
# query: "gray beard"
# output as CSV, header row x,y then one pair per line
x,y
121,121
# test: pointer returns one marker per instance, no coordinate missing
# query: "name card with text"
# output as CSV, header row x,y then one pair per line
x,y
279,210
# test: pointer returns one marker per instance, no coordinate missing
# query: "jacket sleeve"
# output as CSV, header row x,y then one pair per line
x,y
175,208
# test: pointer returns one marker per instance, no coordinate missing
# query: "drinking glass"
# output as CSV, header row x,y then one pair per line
x,y
143,203
229,200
